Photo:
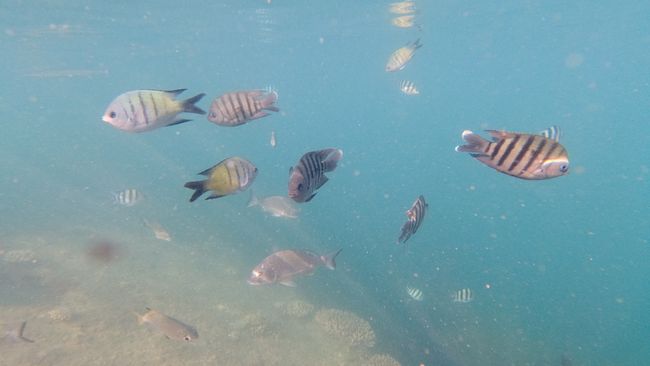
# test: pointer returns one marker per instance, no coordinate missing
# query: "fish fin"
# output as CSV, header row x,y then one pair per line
x,y
328,259
207,171
330,157
213,196
417,44
259,114
16,335
475,144
189,107
174,92
310,197
554,133
252,200
288,283
178,122
272,108
198,187
500,135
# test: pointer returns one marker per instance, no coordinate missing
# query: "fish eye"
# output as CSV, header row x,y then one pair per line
x,y
112,114
564,168
300,187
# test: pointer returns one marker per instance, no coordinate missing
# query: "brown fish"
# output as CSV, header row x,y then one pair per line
x,y
239,107
281,267
168,326
525,156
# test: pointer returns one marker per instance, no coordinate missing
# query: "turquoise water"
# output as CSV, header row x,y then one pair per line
x,y
557,267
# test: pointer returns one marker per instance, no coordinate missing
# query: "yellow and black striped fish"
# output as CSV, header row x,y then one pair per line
x,y
229,176
463,295
415,216
145,110
525,156
402,56
237,108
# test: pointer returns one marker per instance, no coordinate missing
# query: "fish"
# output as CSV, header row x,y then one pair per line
x,y
464,295
281,267
402,7
229,176
398,59
158,230
146,110
104,251
309,174
239,107
525,156
273,141
404,21
128,197
168,326
276,206
408,88
415,216
15,333
415,293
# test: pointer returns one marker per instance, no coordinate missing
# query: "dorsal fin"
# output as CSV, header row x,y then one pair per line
x,y
553,133
500,135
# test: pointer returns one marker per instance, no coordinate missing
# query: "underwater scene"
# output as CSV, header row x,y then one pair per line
x,y
368,183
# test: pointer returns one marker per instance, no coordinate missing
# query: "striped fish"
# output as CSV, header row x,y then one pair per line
x,y
145,110
464,295
402,56
227,177
404,21
415,216
402,7
239,107
520,155
408,88
415,293
309,174
128,197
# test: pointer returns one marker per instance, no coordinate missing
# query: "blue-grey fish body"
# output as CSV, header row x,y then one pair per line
x,y
168,326
239,107
415,216
146,110
309,174
281,267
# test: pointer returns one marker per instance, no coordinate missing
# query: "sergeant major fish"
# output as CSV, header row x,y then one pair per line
x,y
415,293
145,110
464,295
398,59
276,206
415,216
168,326
281,267
128,197
309,174
520,155
229,176
237,108
408,88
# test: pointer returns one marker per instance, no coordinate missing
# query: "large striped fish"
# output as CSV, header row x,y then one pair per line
x,y
145,110
415,215
237,108
309,174
525,156
229,176
402,56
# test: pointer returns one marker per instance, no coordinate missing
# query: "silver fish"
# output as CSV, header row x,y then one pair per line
x,y
128,197
464,295
309,174
239,107
168,326
146,110
415,293
276,206
158,230
15,333
525,156
415,215
281,267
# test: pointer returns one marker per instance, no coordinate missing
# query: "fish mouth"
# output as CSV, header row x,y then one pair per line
x,y
106,119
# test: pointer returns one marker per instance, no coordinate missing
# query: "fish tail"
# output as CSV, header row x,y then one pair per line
x,y
476,145
328,259
417,44
198,187
331,158
270,99
252,200
188,104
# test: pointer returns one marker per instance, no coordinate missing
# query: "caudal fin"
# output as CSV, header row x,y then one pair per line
x,y
328,259
330,158
269,100
188,104
252,200
476,145
198,188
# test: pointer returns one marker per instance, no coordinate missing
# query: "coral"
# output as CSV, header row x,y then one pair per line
x,y
297,309
60,314
380,360
346,325
18,256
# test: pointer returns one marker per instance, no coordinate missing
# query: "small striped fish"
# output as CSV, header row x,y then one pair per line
x,y
128,197
408,88
415,216
404,21
402,7
309,174
239,107
398,59
145,110
520,155
229,176
415,293
464,295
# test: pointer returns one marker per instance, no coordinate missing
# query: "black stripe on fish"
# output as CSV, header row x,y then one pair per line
x,y
534,155
550,151
133,115
496,149
144,109
508,150
155,106
522,152
241,114
229,108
